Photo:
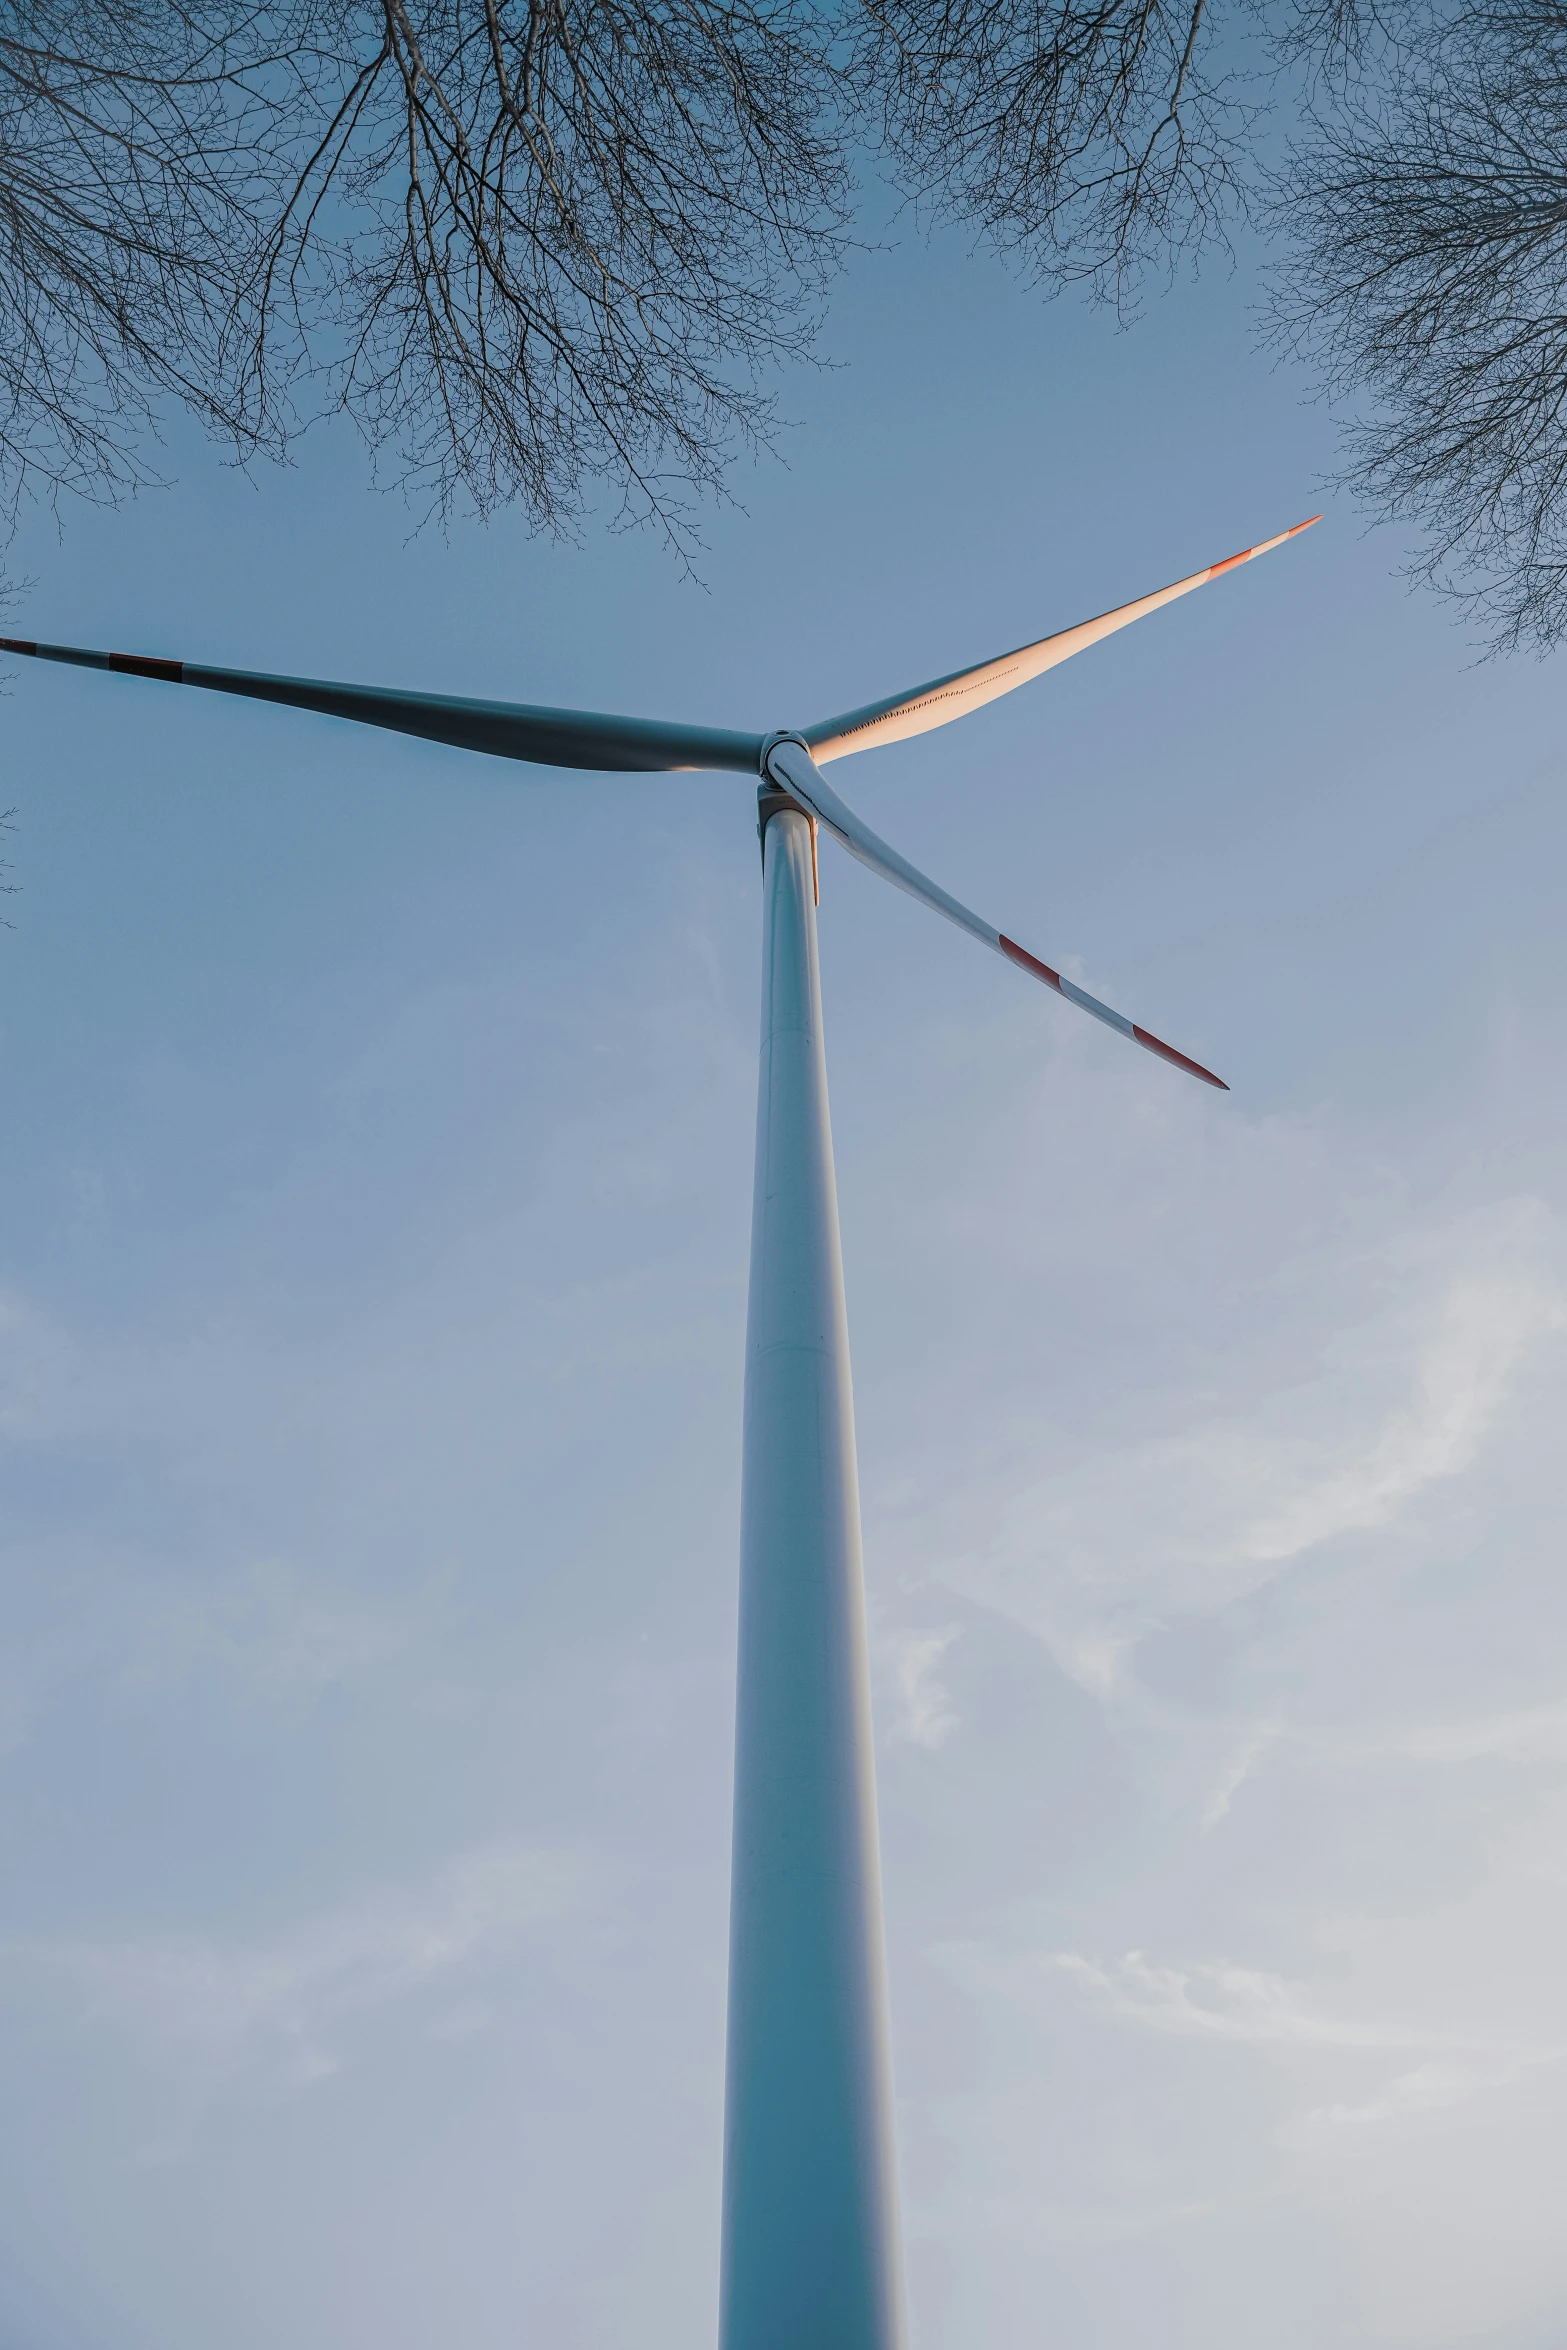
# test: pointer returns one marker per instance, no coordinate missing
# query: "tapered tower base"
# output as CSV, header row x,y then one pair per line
x,y
811,2257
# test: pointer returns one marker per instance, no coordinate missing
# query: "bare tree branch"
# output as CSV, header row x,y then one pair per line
x,y
1430,279
1086,137
125,169
530,247
535,244
541,250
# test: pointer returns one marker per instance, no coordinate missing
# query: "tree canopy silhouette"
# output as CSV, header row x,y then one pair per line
x,y
534,247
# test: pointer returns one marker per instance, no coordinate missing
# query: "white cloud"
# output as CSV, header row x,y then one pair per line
x,y
278,2001
1223,1792
1223,2002
1525,1733
277,1630
1460,1383
1428,2089
1094,1541
928,1717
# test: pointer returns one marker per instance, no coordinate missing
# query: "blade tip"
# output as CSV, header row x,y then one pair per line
x,y
1178,1060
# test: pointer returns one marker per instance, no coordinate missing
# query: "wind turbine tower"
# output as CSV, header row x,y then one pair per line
x,y
811,2255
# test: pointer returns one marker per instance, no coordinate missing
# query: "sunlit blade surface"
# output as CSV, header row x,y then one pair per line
x,y
508,730
946,698
792,767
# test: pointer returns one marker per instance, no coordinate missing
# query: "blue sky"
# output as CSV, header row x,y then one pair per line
x,y
372,1293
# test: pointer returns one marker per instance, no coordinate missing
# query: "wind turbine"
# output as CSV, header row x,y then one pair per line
x,y
810,2230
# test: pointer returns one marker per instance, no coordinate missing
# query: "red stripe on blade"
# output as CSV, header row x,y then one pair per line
x,y
1230,562
1167,1052
17,644
1028,962
134,665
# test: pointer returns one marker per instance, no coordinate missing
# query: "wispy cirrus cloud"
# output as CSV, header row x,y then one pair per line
x,y
927,1716
1222,1794
1401,1375
1460,1383
1220,2001
1524,1734
1427,2089
279,2001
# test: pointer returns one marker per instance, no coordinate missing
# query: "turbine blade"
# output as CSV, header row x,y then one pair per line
x,y
790,764
507,730
946,698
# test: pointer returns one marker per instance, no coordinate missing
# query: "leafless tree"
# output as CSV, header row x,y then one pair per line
x,y
534,246
1429,271
1084,140
125,188
531,246
537,248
